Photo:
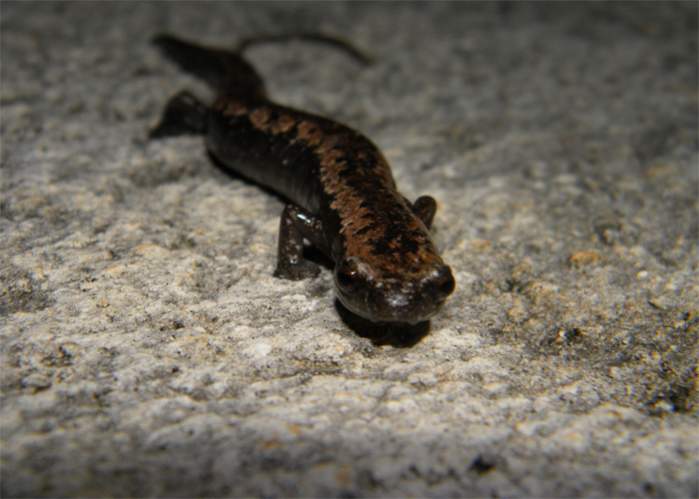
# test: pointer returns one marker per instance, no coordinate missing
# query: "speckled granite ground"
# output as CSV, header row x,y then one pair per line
x,y
147,351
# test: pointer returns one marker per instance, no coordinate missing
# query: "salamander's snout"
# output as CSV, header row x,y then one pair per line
x,y
396,298
413,301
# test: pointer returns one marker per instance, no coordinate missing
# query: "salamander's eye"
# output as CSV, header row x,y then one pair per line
x,y
345,279
346,274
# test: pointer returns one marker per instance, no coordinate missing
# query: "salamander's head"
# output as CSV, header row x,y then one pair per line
x,y
389,294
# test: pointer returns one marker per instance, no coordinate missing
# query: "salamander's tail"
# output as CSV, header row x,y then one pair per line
x,y
332,41
225,71
184,114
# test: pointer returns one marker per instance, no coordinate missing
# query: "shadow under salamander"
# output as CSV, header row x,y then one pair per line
x,y
396,335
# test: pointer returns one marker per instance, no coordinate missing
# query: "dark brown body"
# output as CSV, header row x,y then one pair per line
x,y
342,195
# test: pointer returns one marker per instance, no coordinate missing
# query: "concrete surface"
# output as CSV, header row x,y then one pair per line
x,y
147,350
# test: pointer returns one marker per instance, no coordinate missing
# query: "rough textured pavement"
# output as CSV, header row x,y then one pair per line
x,y
146,350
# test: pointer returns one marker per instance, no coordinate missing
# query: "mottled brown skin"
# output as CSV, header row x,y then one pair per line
x,y
341,193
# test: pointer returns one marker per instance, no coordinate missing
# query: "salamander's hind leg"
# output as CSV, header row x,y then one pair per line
x,y
184,114
425,207
295,226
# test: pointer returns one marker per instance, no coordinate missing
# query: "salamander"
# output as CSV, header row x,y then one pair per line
x,y
340,192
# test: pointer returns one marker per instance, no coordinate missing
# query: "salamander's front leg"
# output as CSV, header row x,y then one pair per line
x,y
425,207
295,226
